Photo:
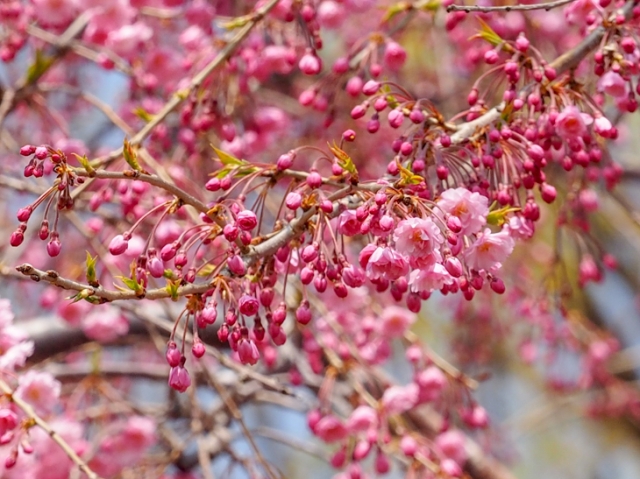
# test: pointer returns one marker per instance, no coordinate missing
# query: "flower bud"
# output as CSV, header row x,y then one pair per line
x,y
118,245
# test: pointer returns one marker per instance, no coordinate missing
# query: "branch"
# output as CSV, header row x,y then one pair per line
x,y
28,410
146,178
508,8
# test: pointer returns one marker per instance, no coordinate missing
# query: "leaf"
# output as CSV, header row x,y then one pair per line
x,y
226,159
172,289
143,114
39,67
393,10
487,33
344,160
130,156
91,270
407,177
84,161
498,217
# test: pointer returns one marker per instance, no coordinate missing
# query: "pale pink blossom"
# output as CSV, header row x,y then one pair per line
x,y
105,323
126,40
613,85
386,263
428,279
16,356
40,389
520,228
571,123
54,12
452,445
419,239
348,224
362,419
431,382
471,208
398,399
396,321
489,250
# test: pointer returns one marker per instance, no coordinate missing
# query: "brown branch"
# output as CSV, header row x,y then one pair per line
x,y
509,8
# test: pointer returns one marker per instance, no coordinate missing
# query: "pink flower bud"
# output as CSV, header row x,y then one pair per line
x,y
118,245
358,111
394,55
354,86
303,313
248,352
54,246
293,200
362,419
408,446
548,192
179,378
314,180
41,152
248,305
382,464
246,220
27,150
198,349
24,214
453,266
213,184
284,162
17,237
230,232
168,251
371,87
310,64
395,118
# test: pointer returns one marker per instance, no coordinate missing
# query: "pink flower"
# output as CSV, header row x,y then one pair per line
x,y
16,356
471,208
54,12
126,40
489,250
248,305
330,14
571,123
613,85
431,382
248,352
396,320
246,220
386,263
105,323
348,224
452,444
330,429
362,419
40,390
179,379
398,399
428,279
520,228
419,239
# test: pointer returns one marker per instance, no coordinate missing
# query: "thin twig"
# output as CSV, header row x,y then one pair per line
x,y
508,8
